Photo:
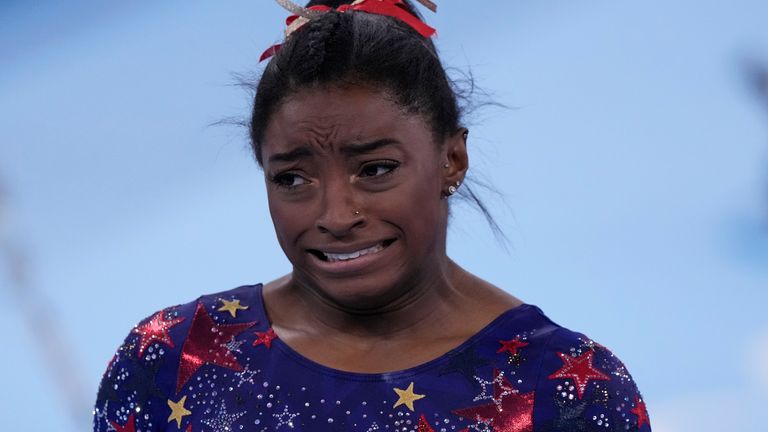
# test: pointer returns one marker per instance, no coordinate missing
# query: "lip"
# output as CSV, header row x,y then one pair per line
x,y
353,265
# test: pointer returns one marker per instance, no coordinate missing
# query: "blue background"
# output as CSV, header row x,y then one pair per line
x,y
633,161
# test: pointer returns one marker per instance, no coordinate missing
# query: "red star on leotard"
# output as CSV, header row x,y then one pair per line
x,y
155,330
580,369
129,426
513,414
206,343
511,346
265,338
641,412
424,425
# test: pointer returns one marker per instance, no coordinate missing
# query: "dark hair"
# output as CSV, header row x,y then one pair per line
x,y
362,49
358,48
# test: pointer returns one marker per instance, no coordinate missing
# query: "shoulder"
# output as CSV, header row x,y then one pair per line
x,y
548,378
165,331
582,385
153,362
243,300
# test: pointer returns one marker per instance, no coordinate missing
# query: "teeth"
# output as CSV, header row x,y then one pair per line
x,y
332,257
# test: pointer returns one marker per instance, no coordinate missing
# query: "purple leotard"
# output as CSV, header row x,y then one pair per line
x,y
215,365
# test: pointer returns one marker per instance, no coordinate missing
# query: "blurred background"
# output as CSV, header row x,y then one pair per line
x,y
633,160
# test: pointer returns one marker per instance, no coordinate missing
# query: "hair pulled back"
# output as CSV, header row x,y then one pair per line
x,y
358,48
363,49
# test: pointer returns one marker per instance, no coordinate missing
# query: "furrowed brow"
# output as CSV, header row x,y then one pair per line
x,y
358,149
290,156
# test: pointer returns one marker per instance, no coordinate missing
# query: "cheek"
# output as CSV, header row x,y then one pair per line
x,y
430,208
417,208
429,213
286,223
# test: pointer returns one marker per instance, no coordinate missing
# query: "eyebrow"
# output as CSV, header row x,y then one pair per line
x,y
358,149
347,150
290,156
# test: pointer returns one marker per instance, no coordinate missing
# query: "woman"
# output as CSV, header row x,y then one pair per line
x,y
356,127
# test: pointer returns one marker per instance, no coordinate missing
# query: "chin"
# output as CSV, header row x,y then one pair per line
x,y
360,293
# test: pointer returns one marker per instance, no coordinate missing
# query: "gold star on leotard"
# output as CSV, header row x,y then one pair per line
x,y
232,307
178,411
407,397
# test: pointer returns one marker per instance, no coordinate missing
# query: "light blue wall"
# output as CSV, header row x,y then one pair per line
x,y
633,159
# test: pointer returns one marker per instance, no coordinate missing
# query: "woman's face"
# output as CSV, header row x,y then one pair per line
x,y
355,188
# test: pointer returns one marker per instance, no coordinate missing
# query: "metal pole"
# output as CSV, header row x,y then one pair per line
x,y
38,316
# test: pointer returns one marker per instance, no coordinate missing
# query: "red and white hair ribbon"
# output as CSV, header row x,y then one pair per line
x,y
392,8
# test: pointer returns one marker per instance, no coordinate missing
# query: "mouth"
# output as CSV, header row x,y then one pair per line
x,y
350,256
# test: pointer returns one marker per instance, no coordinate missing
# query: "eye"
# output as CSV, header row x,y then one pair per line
x,y
289,180
378,169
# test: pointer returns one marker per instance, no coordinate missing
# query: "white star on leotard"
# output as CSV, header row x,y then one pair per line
x,y
223,420
285,418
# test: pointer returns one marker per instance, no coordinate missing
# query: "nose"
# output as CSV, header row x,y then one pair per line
x,y
339,215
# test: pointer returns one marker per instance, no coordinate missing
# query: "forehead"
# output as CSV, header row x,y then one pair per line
x,y
324,119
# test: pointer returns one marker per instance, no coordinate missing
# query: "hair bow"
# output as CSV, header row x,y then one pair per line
x,y
392,8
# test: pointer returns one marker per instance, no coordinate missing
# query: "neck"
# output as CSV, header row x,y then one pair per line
x,y
423,299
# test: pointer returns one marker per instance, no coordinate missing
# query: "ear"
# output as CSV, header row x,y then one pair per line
x,y
455,160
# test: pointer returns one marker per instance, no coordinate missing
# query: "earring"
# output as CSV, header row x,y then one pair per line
x,y
453,188
447,165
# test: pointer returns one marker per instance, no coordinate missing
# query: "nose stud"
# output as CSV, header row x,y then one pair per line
x,y
356,212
